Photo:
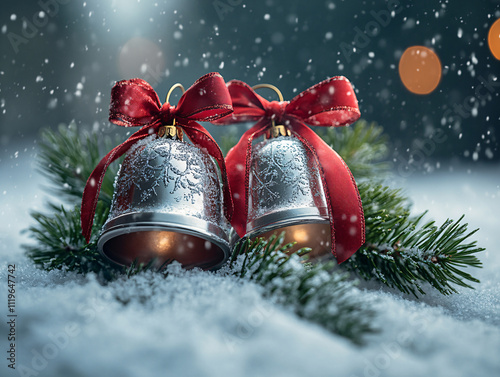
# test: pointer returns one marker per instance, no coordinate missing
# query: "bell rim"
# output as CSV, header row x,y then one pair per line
x,y
296,221
288,217
148,221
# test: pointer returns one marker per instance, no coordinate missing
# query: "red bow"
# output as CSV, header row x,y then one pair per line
x,y
135,103
330,103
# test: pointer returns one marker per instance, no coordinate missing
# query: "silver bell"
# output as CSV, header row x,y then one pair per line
x,y
286,194
167,206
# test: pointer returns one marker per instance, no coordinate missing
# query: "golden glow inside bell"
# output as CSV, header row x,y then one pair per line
x,y
163,247
315,236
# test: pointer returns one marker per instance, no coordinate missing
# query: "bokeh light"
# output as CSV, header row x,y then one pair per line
x,y
420,69
494,39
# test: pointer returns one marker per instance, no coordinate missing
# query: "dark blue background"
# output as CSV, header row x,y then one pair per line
x,y
75,53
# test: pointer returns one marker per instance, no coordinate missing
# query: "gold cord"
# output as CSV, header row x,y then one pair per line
x,y
171,131
276,130
175,86
269,86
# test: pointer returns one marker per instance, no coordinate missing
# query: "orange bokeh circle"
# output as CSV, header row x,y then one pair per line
x,y
420,69
494,39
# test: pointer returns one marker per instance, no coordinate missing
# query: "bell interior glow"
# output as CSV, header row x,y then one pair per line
x,y
163,247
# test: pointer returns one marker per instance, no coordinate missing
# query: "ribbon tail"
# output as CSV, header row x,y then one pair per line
x,y
94,182
238,162
200,137
345,207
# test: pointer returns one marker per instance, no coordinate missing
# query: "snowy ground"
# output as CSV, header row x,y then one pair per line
x,y
203,324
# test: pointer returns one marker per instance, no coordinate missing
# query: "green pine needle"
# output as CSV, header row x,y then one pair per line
x,y
363,147
403,254
316,292
61,245
67,159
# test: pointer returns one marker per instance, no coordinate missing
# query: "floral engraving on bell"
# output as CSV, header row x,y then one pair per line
x,y
169,176
283,164
283,177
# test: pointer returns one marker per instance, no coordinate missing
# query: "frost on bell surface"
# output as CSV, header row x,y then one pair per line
x,y
168,176
282,177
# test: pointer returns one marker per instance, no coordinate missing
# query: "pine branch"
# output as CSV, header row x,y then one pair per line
x,y
399,252
61,245
67,159
403,254
228,139
316,292
363,147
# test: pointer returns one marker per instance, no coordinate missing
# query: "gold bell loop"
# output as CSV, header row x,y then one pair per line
x,y
171,131
269,86
175,86
276,130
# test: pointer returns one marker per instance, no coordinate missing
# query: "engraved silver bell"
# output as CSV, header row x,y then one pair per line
x,y
167,206
286,194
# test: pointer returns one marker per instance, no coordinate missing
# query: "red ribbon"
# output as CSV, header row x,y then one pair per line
x,y
330,103
135,103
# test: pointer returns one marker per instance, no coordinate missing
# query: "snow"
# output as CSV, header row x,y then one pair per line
x,y
195,323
